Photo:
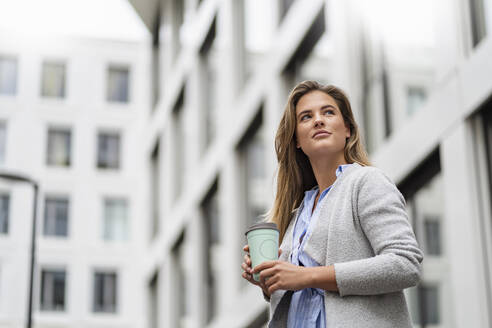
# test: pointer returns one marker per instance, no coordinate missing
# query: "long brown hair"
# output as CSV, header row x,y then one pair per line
x,y
294,173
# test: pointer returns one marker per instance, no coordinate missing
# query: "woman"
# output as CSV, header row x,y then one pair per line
x,y
347,250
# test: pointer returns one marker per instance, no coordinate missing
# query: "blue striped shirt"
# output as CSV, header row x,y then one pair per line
x,y
307,307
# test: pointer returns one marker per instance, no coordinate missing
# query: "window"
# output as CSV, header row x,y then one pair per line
x,y
118,84
156,57
253,181
59,147
3,142
56,217
478,21
482,141
8,76
210,211
4,213
432,228
53,290
178,20
155,190
178,136
180,290
425,302
284,7
154,305
105,292
487,128
208,67
423,191
416,97
108,151
53,80
115,219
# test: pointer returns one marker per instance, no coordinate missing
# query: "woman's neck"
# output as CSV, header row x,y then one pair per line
x,y
324,170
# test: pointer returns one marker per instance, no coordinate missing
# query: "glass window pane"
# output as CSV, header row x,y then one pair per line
x,y
4,213
254,183
178,20
53,80
179,142
478,21
209,77
108,151
425,305
8,76
430,297
115,220
416,97
56,217
53,290
118,84
487,126
180,285
432,230
59,145
105,292
284,7
210,210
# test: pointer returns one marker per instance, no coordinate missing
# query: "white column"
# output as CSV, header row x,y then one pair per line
x,y
461,231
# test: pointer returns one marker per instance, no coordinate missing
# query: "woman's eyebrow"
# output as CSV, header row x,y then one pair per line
x,y
328,106
304,111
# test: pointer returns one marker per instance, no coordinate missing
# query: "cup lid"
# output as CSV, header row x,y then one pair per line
x,y
262,225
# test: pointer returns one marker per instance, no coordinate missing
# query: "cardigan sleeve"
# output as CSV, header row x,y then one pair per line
x,y
380,210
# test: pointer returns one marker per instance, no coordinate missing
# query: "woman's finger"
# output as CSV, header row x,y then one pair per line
x,y
273,288
266,273
264,265
247,260
250,279
271,281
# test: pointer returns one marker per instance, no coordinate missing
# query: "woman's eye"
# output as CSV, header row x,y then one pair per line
x,y
330,111
305,117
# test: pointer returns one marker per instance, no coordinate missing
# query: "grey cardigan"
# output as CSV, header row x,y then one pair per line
x,y
362,230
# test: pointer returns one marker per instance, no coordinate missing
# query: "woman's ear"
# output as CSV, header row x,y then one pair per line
x,y
347,131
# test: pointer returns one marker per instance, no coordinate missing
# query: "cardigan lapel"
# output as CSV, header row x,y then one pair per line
x,y
316,243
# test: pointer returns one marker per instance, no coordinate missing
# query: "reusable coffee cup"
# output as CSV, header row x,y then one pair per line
x,y
263,244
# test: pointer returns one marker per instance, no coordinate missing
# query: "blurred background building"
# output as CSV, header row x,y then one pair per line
x,y
165,142
73,107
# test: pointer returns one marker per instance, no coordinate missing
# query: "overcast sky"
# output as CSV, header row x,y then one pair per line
x,y
113,19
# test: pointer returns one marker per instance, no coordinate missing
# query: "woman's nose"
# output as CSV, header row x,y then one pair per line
x,y
318,121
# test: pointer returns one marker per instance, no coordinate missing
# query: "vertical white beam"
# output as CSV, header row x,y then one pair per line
x,y
461,230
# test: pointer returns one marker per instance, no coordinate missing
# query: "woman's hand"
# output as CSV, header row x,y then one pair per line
x,y
248,271
276,275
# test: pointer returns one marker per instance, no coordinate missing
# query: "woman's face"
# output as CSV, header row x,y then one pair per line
x,y
320,129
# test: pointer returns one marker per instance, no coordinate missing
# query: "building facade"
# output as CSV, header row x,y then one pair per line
x,y
142,211
418,76
72,114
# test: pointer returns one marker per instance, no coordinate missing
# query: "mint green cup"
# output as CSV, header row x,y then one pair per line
x,y
263,244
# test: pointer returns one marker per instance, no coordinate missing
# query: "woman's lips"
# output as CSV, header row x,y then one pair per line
x,y
321,134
